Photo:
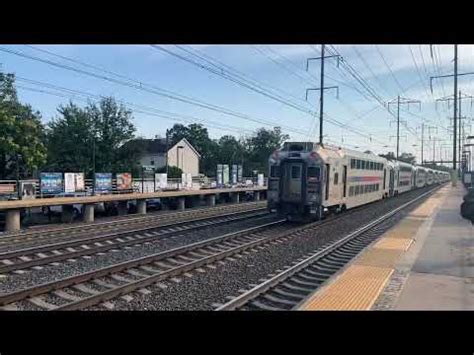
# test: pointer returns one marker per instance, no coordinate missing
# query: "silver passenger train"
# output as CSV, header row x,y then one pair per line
x,y
307,180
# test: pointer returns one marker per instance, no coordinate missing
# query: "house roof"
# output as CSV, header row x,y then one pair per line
x,y
189,144
156,146
150,146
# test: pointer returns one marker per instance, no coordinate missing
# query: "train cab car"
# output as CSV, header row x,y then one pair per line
x,y
307,180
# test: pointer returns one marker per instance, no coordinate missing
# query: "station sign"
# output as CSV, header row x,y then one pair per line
x,y
51,183
239,173
234,174
225,174
219,176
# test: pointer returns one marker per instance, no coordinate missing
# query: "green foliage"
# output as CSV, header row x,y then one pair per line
x,y
405,157
78,132
260,146
22,134
173,172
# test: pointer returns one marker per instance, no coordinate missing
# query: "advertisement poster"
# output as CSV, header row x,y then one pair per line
x,y
80,182
69,182
28,190
103,182
260,180
124,181
73,182
161,181
225,174
219,175
234,174
240,173
51,183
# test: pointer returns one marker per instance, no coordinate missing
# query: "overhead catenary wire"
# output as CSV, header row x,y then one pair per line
x,y
135,84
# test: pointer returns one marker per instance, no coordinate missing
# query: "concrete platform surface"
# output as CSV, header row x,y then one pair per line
x,y
441,276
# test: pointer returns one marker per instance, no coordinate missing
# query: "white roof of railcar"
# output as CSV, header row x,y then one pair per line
x,y
339,152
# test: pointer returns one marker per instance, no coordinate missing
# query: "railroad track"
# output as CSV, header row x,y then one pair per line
x,y
7,242
98,286
37,256
289,288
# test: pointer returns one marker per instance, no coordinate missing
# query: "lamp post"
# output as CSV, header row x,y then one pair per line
x,y
18,157
177,158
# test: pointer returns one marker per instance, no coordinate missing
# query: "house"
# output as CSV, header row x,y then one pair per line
x,y
154,152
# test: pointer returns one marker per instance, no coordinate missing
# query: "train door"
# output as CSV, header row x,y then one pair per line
x,y
327,182
384,180
344,181
292,182
391,183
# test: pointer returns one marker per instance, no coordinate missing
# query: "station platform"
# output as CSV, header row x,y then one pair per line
x,y
425,262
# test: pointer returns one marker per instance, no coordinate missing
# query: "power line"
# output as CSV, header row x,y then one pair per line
x,y
135,84
76,95
389,69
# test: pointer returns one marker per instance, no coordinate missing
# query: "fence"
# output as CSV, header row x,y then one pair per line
x,y
8,188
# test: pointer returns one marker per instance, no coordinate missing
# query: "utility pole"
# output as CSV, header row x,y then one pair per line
x,y
322,88
401,101
457,134
455,75
455,102
321,98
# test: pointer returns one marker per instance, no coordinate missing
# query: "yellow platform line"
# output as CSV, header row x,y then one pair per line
x,y
360,284
357,289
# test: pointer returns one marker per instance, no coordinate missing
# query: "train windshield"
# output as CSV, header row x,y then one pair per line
x,y
274,171
297,147
314,172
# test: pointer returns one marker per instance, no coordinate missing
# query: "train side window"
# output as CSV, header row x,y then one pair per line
x,y
359,164
363,165
371,165
351,191
336,178
295,172
274,171
356,190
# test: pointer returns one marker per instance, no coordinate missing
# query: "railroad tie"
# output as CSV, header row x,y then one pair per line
x,y
85,289
40,302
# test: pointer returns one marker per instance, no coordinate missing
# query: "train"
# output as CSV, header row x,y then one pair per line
x,y
307,181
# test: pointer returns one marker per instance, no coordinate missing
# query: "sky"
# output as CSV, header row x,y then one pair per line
x,y
150,80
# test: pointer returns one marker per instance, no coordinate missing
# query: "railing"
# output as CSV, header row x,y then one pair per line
x,y
8,188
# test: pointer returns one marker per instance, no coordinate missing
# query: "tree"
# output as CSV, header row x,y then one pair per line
x,y
231,151
100,128
388,156
70,140
260,146
111,127
404,157
22,134
407,158
173,172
